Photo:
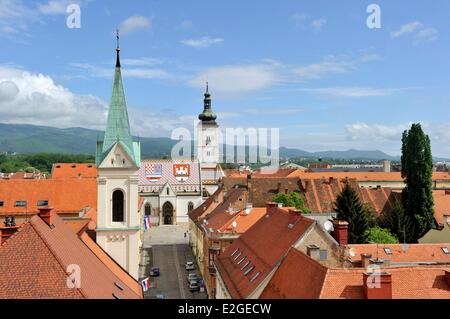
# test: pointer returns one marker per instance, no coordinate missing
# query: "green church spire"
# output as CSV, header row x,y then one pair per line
x,y
118,125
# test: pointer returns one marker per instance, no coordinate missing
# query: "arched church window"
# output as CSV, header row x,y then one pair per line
x,y
190,206
167,191
148,209
118,206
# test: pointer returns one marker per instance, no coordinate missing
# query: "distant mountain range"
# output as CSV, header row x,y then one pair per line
x,y
23,138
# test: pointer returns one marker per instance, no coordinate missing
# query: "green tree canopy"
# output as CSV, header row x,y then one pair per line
x,y
292,199
349,208
378,235
417,169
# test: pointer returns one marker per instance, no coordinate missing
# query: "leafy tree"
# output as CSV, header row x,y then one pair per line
x,y
292,199
378,235
398,223
417,169
349,208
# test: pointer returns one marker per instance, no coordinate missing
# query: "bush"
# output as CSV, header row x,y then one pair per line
x,y
292,200
378,235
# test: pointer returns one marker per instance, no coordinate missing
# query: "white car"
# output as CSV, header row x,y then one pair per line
x,y
189,265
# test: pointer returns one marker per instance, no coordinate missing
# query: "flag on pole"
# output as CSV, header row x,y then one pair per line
x,y
145,284
147,224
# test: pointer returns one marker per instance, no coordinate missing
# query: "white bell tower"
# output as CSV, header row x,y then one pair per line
x,y
118,161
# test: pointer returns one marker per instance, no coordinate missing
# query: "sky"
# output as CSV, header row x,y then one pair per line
x,y
313,69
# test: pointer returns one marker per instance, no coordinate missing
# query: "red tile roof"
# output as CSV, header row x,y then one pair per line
x,y
65,195
410,253
263,246
35,260
73,170
362,176
243,220
299,276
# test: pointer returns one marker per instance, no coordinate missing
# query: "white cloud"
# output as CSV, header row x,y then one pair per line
x,y
36,99
426,35
30,98
354,92
130,72
420,33
134,23
203,42
406,29
55,7
318,70
371,132
231,80
318,24
145,61
185,25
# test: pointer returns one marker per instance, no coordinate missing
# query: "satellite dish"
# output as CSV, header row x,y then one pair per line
x,y
405,247
352,252
234,224
328,225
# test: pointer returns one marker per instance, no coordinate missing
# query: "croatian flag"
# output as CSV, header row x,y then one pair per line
x,y
145,284
147,224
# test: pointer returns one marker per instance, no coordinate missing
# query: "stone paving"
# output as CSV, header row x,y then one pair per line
x,y
167,248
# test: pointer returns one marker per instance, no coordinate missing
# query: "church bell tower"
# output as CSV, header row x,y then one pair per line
x,y
207,135
118,161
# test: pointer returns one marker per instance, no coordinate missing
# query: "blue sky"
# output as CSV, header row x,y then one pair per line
x,y
311,68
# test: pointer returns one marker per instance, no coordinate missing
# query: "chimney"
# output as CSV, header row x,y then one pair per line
x,y
45,215
249,208
313,251
340,231
271,207
365,260
7,232
279,187
377,285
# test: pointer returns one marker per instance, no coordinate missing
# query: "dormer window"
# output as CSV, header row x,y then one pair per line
x,y
20,203
2,203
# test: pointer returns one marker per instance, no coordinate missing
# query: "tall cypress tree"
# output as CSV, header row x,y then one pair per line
x,y
417,170
349,208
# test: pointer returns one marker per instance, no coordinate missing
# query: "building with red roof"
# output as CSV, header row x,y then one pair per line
x,y
46,259
247,265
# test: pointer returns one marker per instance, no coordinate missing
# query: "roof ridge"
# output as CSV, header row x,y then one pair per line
x,y
20,228
63,266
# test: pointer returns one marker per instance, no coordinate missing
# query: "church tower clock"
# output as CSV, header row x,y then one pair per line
x,y
207,135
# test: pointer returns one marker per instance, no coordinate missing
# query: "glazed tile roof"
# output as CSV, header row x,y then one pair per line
x,y
263,246
299,277
168,173
35,260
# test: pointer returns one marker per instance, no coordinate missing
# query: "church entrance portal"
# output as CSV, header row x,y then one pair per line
x,y
168,213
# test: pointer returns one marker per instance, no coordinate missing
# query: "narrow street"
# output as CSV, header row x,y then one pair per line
x,y
165,247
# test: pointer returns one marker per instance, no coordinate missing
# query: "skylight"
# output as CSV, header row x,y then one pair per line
x,y
234,252
237,256
255,276
21,203
245,265
240,261
2,203
445,250
388,251
249,270
42,203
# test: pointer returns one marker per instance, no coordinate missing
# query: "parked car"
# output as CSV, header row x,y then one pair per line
x,y
193,285
189,265
192,277
159,296
154,271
